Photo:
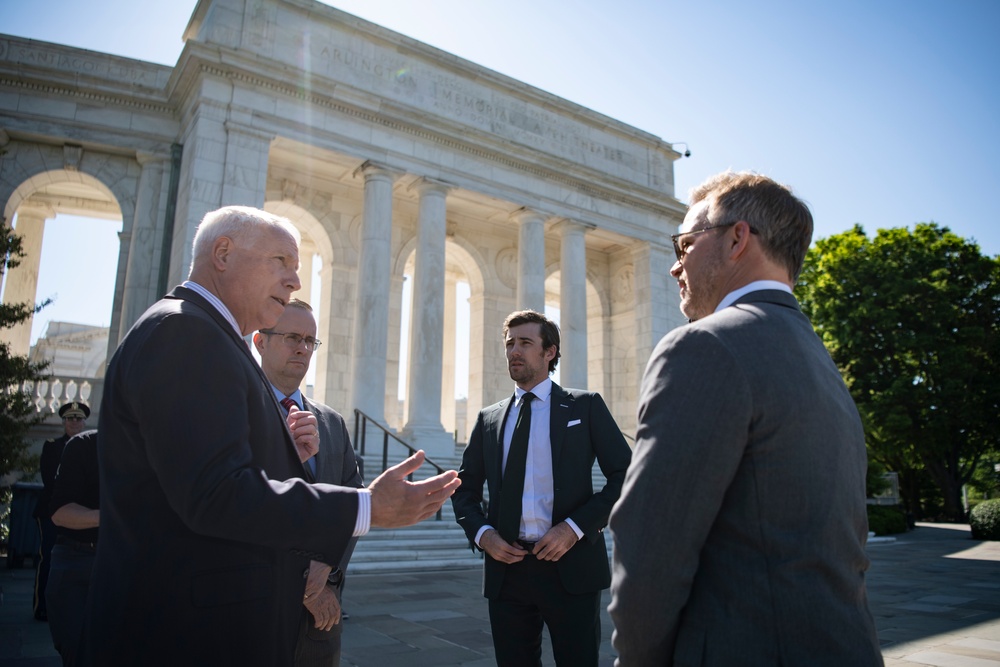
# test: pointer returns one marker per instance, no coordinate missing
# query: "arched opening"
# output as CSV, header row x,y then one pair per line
x,y
72,233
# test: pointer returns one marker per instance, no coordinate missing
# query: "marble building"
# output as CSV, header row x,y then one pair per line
x,y
395,160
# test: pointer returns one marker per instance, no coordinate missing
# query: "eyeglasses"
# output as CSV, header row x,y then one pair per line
x,y
74,419
681,252
293,340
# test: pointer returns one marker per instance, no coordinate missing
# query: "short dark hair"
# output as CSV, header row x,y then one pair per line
x,y
548,328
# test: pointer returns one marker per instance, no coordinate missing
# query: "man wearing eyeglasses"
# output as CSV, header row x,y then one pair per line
x,y
74,419
208,524
285,352
740,532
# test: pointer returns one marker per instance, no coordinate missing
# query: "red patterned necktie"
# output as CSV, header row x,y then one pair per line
x,y
287,403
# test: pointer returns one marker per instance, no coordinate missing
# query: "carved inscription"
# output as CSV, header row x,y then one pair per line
x,y
76,62
472,104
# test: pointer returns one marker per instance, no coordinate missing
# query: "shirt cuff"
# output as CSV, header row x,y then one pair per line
x,y
364,521
480,533
576,528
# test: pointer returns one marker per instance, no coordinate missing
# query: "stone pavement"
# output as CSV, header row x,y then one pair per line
x,y
935,594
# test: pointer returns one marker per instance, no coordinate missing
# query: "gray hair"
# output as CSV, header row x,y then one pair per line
x,y
242,224
782,220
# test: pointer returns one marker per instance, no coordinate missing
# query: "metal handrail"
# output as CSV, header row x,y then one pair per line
x,y
361,421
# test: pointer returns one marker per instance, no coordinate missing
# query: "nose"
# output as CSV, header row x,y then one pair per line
x,y
676,269
293,283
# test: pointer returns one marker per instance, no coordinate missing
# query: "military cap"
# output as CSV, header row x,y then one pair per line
x,y
74,409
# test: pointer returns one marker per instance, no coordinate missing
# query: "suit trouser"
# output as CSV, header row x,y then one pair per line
x,y
47,531
532,595
66,595
317,648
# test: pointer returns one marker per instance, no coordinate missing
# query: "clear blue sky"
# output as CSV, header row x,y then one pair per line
x,y
882,113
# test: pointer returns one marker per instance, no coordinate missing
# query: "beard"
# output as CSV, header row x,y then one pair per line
x,y
702,297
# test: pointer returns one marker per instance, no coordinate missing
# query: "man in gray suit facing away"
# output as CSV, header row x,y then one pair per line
x,y
739,538
285,352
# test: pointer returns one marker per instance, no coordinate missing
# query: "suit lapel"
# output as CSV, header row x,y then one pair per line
x,y
559,412
320,461
195,299
493,442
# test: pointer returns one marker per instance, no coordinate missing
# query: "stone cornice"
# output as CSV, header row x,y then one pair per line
x,y
89,97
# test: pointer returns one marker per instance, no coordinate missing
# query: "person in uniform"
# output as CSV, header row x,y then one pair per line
x,y
74,418
75,508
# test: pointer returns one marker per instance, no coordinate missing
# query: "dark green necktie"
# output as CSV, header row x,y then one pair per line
x,y
509,522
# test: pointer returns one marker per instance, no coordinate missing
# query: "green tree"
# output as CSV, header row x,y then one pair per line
x,y
911,319
17,413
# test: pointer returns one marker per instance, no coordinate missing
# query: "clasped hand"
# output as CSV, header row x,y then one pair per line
x,y
320,599
559,539
305,431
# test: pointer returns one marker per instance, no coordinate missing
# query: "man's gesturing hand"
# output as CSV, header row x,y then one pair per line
x,y
397,502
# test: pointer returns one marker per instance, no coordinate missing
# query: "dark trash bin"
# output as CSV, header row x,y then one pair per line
x,y
23,540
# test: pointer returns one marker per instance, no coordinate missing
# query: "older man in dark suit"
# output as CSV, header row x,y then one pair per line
x,y
285,352
546,558
207,525
740,533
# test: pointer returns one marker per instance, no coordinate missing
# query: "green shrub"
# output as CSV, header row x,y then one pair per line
x,y
985,520
886,519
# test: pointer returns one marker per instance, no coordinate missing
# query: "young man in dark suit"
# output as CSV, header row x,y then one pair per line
x,y
207,523
546,559
285,352
740,533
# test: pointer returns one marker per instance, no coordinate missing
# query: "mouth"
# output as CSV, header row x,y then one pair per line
x,y
283,302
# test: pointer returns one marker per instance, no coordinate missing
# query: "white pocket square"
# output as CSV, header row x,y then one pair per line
x,y
572,423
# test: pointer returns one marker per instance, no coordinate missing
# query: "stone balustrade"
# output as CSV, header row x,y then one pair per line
x,y
50,394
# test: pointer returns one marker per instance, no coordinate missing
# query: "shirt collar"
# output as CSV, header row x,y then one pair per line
x,y
755,286
216,303
295,396
542,390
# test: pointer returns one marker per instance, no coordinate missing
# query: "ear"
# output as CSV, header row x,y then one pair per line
x,y
550,353
221,251
258,342
739,239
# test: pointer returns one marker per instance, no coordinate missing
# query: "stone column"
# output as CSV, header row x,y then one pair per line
x,y
21,282
657,309
423,424
530,260
448,360
143,265
371,316
307,255
573,304
324,390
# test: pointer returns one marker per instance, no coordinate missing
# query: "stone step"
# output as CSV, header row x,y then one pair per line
x,y
468,562
431,544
